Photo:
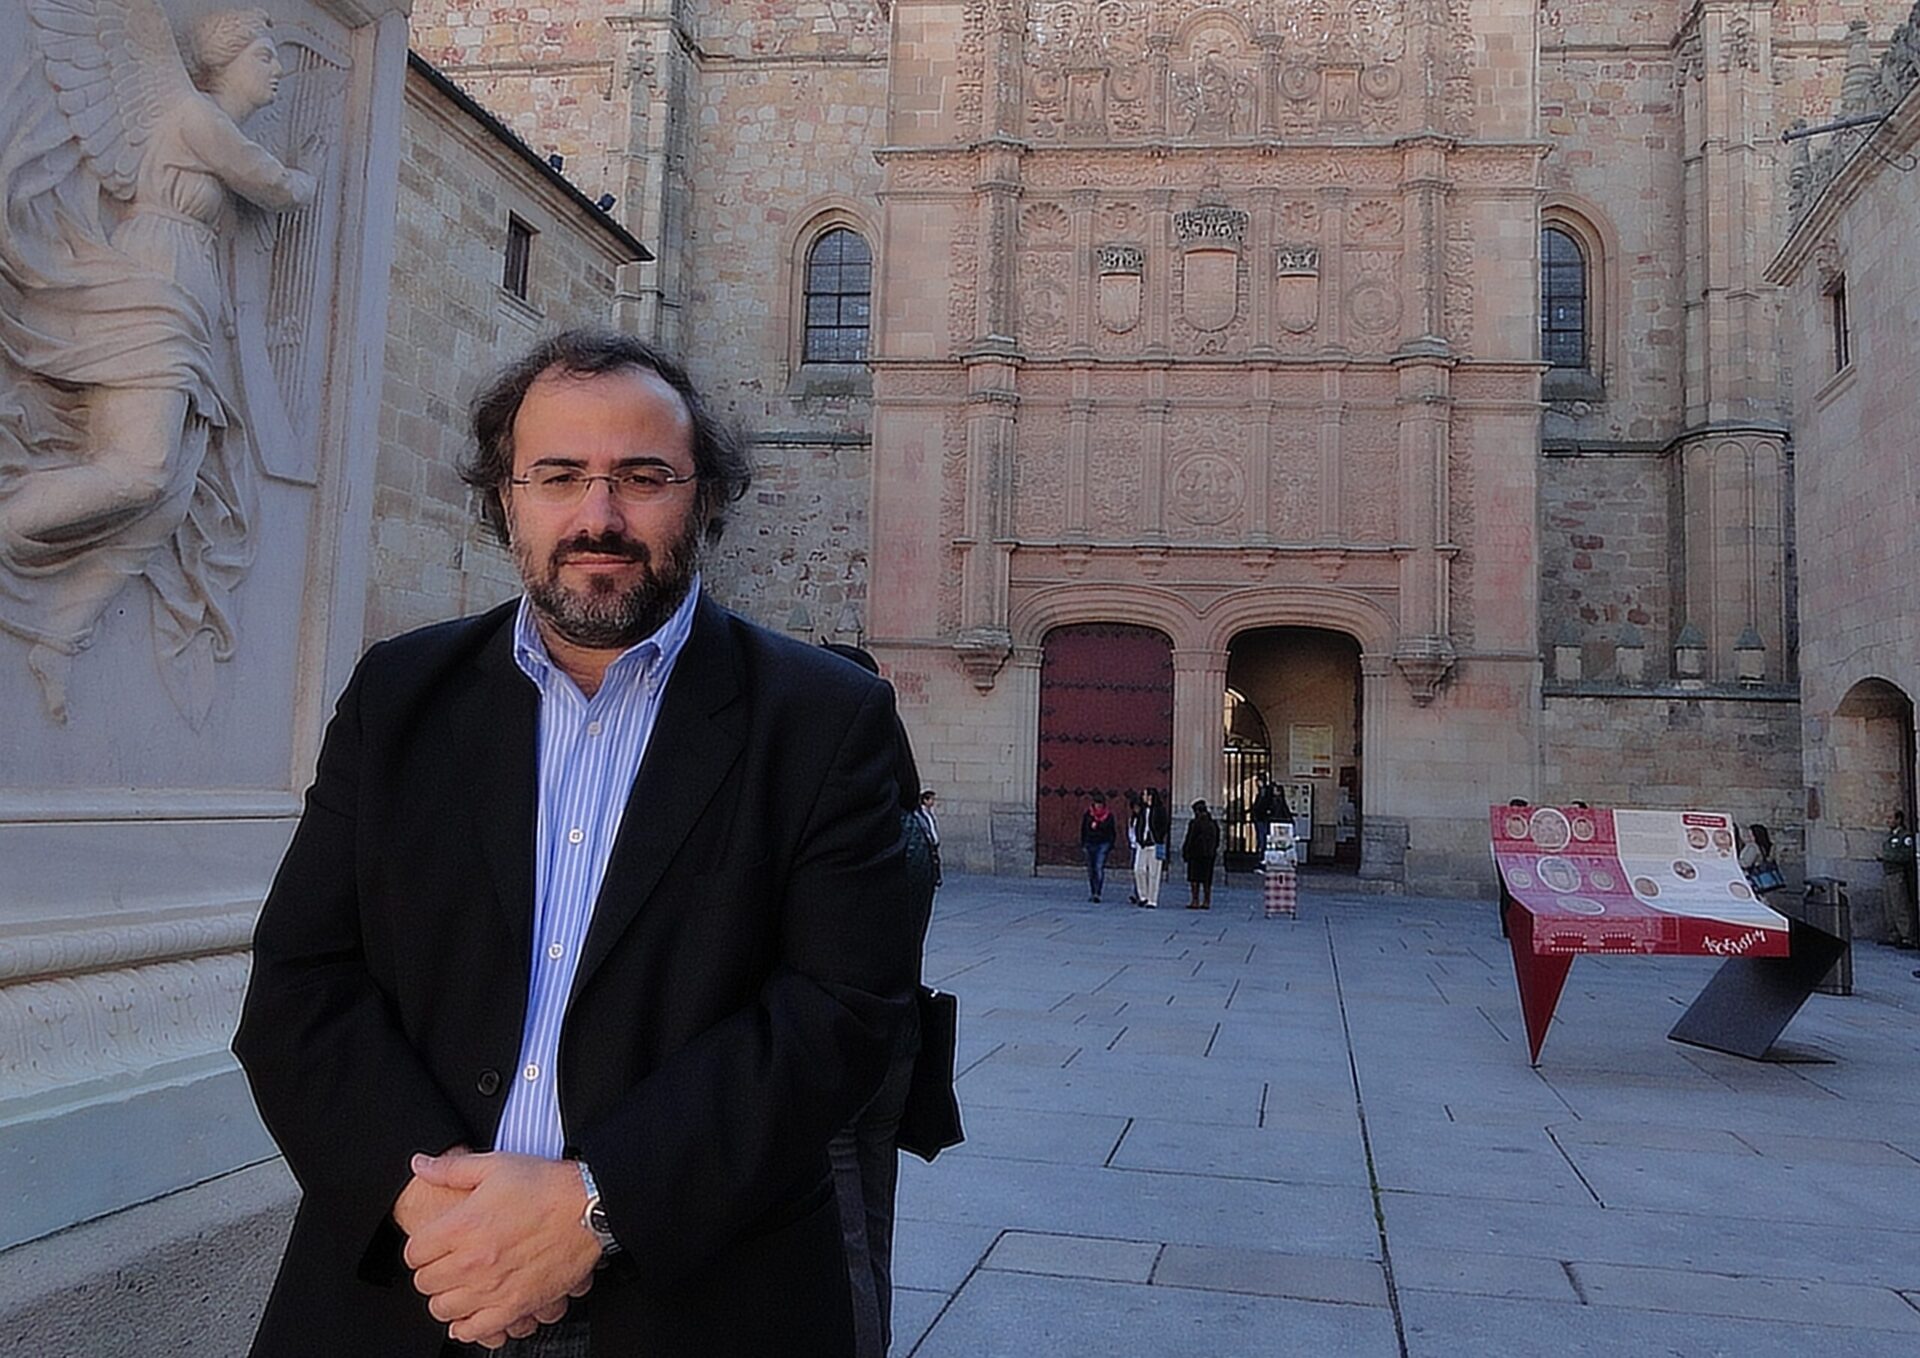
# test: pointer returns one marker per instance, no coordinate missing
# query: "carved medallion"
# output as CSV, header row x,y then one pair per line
x,y
1121,269
1374,307
1208,489
1296,293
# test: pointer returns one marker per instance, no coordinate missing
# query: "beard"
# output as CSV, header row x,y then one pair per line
x,y
606,615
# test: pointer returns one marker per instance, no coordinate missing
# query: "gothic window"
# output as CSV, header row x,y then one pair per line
x,y
1564,300
839,298
519,257
1842,327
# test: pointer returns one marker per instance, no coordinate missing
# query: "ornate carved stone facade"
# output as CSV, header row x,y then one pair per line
x,y
1182,298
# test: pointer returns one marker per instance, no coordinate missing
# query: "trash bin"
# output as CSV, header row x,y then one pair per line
x,y
1825,907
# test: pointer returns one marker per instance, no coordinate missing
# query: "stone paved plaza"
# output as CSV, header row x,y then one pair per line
x,y
1215,1134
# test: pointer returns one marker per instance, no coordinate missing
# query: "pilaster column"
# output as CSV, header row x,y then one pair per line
x,y
1199,732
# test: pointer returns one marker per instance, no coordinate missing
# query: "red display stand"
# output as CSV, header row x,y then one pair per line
x,y
1589,880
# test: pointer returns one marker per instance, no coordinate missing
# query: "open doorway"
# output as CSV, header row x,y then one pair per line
x,y
1300,688
1871,740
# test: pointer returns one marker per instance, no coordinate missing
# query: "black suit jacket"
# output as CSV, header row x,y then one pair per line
x,y
748,965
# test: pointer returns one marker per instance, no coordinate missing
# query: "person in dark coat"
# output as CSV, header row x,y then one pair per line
x,y
1096,842
1268,807
1200,848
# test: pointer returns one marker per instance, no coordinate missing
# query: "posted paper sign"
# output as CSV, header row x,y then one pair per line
x,y
1597,880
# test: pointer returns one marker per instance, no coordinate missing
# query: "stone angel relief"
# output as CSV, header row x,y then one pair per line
x,y
132,427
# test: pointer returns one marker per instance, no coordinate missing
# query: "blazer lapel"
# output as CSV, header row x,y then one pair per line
x,y
499,720
696,739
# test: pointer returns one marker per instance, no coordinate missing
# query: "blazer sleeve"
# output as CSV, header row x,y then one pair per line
x,y
735,1124
343,1093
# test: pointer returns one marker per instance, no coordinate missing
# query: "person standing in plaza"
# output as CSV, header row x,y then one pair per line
x,y
1268,807
1150,829
591,935
1096,842
1757,860
1134,856
932,826
1896,861
1199,849
865,1154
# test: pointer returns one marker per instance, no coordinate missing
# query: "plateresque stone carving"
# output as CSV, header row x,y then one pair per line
x,y
139,282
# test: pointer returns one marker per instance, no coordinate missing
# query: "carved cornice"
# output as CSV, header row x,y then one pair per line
x,y
96,945
64,1031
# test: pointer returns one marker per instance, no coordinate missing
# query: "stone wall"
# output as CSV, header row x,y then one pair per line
x,y
1856,487
1606,562
1674,751
450,323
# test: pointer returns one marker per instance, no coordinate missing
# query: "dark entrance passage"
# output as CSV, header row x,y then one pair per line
x,y
1106,725
1297,691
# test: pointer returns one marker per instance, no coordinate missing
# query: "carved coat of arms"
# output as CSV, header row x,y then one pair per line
x,y
1121,269
1296,288
1210,239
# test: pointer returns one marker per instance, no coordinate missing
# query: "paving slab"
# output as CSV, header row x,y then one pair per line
x,y
1442,1326
1270,1273
1010,1315
1074,1256
1843,1305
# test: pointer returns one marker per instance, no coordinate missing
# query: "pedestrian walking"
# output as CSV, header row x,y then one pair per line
x,y
1097,833
1150,829
1201,845
1896,862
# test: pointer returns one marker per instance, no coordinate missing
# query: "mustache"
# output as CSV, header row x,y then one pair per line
x,y
607,544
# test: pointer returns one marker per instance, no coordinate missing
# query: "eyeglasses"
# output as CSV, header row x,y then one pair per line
x,y
559,487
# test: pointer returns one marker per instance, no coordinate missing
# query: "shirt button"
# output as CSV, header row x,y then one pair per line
x,y
574,836
532,1072
555,951
593,728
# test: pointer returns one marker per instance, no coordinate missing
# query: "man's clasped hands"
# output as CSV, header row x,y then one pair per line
x,y
496,1242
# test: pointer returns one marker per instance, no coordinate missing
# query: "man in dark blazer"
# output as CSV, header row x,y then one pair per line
x,y
677,1029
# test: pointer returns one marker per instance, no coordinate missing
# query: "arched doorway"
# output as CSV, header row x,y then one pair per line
x,y
1871,761
1249,760
1304,683
1106,725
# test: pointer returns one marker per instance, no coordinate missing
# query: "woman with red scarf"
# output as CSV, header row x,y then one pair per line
x,y
1096,842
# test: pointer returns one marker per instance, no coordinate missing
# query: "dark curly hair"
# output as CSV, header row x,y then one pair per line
x,y
719,452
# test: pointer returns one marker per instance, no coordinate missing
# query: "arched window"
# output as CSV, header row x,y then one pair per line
x,y
1563,300
839,298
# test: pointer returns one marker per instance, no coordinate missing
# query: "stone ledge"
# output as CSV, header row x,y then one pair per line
x,y
187,1273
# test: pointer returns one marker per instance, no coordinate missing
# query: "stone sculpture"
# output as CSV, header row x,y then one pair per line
x,y
132,420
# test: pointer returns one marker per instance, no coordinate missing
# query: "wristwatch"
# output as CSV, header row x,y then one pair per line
x,y
595,1217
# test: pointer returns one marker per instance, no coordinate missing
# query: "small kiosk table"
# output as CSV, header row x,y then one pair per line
x,y
1588,880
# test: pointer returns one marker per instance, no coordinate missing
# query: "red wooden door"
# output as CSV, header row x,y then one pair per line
x,y
1106,725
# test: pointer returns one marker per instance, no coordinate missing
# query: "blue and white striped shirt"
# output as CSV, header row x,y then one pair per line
x,y
590,752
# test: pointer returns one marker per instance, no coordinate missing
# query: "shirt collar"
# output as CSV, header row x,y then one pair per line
x,y
652,658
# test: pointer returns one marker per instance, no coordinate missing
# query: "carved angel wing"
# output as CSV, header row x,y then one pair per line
x,y
116,67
